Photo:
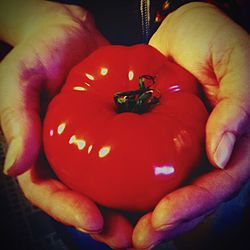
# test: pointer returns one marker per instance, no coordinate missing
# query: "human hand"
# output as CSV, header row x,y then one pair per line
x,y
30,75
217,52
74,209
33,72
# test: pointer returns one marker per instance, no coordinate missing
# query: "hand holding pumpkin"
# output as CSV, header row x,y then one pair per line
x,y
218,60
36,67
217,52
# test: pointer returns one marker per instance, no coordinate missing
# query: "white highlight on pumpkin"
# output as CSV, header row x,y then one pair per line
x,y
104,71
51,132
87,84
72,139
131,75
104,151
164,170
90,148
174,88
79,88
81,144
61,128
89,76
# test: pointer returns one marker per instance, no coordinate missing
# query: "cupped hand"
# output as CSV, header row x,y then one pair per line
x,y
74,209
217,52
30,75
33,72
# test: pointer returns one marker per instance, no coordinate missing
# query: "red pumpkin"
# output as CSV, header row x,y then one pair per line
x,y
128,153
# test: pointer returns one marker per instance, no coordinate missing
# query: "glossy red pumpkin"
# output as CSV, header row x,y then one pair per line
x,y
125,160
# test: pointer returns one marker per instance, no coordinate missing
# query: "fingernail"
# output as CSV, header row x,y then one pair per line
x,y
224,149
12,154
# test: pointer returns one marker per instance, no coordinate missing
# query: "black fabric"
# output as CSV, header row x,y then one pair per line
x,y
120,21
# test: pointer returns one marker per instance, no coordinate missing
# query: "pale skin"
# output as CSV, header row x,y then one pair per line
x,y
214,49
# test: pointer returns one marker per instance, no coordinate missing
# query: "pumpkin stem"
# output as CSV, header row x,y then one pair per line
x,y
139,100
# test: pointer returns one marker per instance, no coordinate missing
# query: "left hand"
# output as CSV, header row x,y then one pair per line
x,y
48,40
217,52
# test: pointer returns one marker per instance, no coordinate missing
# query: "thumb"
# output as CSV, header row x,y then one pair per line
x,y
21,129
19,115
226,124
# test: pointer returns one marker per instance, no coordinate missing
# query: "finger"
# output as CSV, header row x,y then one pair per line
x,y
117,232
226,124
19,115
230,118
59,202
206,193
221,64
34,68
146,237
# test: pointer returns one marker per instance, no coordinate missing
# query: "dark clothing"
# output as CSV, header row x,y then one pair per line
x,y
134,21
124,21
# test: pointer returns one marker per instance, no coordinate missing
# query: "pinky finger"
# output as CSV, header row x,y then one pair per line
x,y
59,202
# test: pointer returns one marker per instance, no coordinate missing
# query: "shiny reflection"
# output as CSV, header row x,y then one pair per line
x,y
79,88
72,139
90,148
51,132
80,143
89,76
164,170
131,75
182,140
87,84
104,71
104,151
174,88
61,128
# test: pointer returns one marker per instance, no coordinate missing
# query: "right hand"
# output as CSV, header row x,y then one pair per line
x,y
30,75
